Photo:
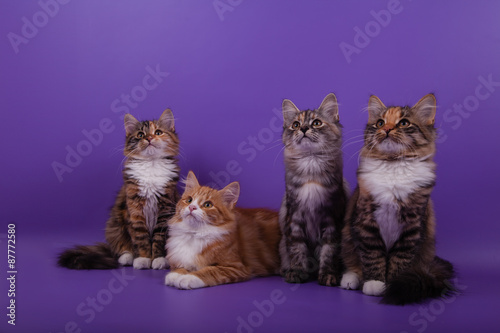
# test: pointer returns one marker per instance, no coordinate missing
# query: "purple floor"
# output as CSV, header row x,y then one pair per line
x,y
70,70
53,299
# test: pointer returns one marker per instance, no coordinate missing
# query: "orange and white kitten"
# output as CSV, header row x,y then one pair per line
x,y
211,242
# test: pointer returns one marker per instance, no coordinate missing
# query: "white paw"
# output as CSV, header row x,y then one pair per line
x,y
350,280
126,259
183,281
190,281
142,263
159,263
373,288
171,279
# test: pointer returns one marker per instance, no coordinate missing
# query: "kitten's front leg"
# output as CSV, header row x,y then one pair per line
x,y
158,245
139,234
403,252
298,252
166,205
216,275
371,248
329,260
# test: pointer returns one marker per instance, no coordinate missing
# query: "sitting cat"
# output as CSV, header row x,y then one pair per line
x,y
388,240
211,242
313,207
136,230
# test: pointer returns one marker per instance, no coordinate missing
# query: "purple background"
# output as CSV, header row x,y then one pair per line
x,y
227,75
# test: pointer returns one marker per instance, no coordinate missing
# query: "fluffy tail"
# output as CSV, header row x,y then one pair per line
x,y
97,256
417,285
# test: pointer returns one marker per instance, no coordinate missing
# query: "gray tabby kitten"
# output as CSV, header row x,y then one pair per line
x,y
313,207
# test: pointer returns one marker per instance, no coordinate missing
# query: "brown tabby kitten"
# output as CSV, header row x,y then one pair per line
x,y
211,242
136,230
388,241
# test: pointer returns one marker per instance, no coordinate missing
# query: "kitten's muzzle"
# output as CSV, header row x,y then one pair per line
x,y
387,129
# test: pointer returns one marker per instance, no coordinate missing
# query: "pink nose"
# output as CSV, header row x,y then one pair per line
x,y
191,208
149,138
388,128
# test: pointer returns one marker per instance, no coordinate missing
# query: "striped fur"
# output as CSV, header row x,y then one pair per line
x,y
211,242
136,230
388,240
312,211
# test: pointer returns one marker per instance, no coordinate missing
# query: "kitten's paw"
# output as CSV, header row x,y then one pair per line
x,y
350,280
190,281
373,288
328,280
296,276
159,263
126,259
142,263
171,279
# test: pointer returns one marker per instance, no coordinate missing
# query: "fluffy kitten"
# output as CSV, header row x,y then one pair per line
x,y
313,207
136,230
211,242
388,240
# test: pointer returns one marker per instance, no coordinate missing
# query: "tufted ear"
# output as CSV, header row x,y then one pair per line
x,y
230,194
191,181
167,120
329,107
425,109
130,123
375,109
290,112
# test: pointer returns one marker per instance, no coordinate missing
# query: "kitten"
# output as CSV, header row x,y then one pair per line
x,y
388,240
136,229
313,207
211,242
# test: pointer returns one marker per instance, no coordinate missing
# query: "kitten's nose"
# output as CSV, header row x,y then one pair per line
x,y
304,129
149,138
191,208
387,129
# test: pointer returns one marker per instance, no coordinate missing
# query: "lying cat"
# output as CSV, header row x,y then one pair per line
x,y
211,242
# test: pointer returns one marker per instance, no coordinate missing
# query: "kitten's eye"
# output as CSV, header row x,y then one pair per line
x,y
140,135
189,200
404,123
295,125
208,204
158,132
317,123
380,123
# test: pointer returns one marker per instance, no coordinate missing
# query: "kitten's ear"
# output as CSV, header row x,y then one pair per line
x,y
191,181
230,194
329,107
167,120
290,112
425,109
130,123
375,109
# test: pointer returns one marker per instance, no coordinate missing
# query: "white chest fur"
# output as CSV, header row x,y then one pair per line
x,y
311,193
388,182
311,196
185,244
152,176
